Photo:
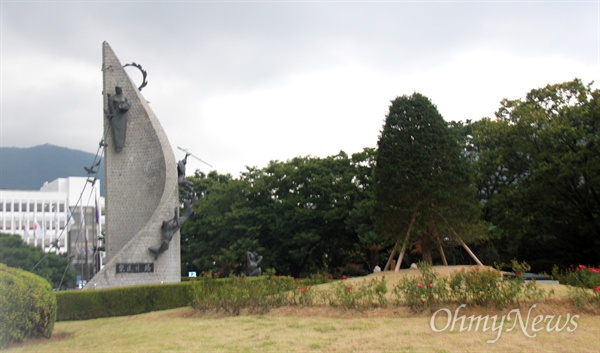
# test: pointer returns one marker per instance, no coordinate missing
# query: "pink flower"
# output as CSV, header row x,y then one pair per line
x,y
344,277
428,285
595,270
582,267
518,274
597,289
419,285
300,288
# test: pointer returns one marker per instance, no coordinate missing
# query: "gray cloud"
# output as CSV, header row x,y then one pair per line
x,y
336,65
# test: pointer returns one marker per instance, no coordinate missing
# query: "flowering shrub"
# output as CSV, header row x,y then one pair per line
x,y
303,295
423,291
358,295
487,287
582,297
479,287
316,278
231,295
585,283
578,276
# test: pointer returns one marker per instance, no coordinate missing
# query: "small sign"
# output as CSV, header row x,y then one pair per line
x,y
192,274
135,268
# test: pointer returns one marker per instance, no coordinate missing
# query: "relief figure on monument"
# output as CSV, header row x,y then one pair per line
x,y
181,180
118,106
170,227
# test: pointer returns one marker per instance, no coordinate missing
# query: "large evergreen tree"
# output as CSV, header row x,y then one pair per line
x,y
422,182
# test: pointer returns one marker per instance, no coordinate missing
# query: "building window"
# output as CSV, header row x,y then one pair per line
x,y
39,207
8,206
61,207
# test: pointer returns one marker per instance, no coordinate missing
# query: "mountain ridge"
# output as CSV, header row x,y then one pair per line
x,y
29,168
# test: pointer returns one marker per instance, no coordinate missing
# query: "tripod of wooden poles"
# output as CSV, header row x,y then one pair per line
x,y
405,244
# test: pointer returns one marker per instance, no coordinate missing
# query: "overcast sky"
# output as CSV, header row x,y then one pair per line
x,y
242,83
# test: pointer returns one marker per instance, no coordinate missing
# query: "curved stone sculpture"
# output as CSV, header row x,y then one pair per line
x,y
141,191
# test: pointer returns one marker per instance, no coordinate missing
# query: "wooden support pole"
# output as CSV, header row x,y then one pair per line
x,y
402,252
442,253
389,261
405,244
461,241
468,250
437,238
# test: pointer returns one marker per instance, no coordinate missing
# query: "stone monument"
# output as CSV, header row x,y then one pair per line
x,y
142,197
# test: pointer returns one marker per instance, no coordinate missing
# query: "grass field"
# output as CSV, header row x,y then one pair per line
x,y
321,329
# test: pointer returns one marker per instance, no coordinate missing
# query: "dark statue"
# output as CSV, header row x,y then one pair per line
x,y
181,180
118,106
253,261
170,227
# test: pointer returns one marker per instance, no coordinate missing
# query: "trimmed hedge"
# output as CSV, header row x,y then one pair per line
x,y
122,301
27,306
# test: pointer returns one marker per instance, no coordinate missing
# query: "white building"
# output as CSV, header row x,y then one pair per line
x,y
65,215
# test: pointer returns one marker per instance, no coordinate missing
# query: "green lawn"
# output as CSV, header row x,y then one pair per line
x,y
296,329
325,329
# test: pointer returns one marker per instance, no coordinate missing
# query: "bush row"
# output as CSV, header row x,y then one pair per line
x,y
27,306
476,287
122,301
479,287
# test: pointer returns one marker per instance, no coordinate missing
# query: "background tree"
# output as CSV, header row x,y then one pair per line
x,y
362,215
422,180
14,252
300,215
309,202
539,175
208,238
